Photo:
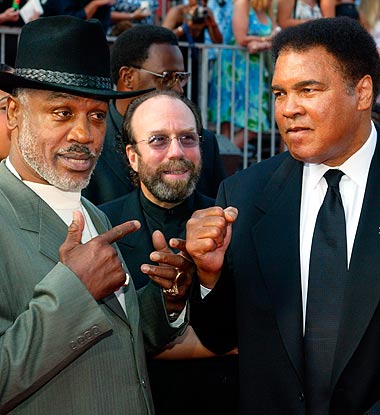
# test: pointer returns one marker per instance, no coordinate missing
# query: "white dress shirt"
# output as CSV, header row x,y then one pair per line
x,y
314,187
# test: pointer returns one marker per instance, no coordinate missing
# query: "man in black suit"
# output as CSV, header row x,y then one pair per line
x,y
165,160
145,57
325,81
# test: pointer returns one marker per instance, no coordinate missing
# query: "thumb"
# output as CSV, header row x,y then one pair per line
x,y
230,214
159,241
74,231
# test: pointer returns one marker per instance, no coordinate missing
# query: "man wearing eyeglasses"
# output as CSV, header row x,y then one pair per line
x,y
145,57
162,131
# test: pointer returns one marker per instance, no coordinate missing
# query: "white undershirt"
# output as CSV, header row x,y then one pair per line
x,y
352,188
64,203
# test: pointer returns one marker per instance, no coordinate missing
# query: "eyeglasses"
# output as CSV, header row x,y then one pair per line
x,y
162,141
169,78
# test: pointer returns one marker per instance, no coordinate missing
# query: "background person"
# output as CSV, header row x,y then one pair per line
x,y
332,8
5,135
325,80
294,12
252,27
136,51
165,174
88,9
190,22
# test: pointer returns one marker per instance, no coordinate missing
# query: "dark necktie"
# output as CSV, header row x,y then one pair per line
x,y
327,276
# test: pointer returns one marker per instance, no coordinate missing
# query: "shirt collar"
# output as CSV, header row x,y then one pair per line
x,y
54,197
161,214
355,168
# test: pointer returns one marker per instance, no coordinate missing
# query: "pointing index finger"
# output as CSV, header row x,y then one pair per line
x,y
119,231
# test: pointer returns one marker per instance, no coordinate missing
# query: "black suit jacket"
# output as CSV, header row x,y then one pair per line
x,y
111,179
195,386
263,262
137,246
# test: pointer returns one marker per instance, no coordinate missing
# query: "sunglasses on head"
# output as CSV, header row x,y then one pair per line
x,y
169,78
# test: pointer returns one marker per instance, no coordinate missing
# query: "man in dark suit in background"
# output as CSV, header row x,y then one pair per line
x,y
145,57
162,132
283,246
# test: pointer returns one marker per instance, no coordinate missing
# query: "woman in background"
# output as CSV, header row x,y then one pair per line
x,y
294,12
332,8
253,28
190,22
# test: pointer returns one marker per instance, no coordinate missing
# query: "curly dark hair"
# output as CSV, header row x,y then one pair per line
x,y
127,131
132,46
351,45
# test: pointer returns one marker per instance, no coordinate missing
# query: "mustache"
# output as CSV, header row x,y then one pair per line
x,y
176,165
77,148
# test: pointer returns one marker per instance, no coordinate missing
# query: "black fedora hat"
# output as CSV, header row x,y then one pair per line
x,y
64,53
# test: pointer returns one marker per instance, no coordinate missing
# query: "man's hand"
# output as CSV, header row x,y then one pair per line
x,y
208,234
174,272
96,262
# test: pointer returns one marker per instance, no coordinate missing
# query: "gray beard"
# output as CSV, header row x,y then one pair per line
x,y
175,191
35,160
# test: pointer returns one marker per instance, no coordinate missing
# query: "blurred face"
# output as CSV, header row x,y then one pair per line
x,y
162,57
60,137
167,176
5,139
319,117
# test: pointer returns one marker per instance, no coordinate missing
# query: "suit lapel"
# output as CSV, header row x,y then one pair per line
x,y
132,210
280,261
111,301
33,214
362,292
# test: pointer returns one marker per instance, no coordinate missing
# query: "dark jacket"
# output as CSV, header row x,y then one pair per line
x,y
263,267
195,386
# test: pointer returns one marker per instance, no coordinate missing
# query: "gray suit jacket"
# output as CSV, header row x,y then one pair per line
x,y
62,352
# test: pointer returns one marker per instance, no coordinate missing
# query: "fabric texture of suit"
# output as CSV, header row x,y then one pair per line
x,y
263,262
62,352
136,247
195,386
111,180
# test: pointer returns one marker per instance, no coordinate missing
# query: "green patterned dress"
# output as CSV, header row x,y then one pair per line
x,y
256,28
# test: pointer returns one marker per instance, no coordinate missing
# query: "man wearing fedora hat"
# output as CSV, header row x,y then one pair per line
x,y
71,329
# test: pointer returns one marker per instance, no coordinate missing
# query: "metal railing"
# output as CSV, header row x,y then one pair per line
x,y
266,143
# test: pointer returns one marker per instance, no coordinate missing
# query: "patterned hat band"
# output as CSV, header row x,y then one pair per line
x,y
64,78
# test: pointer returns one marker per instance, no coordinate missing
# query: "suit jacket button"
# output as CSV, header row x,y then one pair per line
x,y
81,340
301,397
95,330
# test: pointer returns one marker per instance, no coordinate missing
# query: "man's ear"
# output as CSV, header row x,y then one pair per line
x,y
132,157
365,93
13,112
126,78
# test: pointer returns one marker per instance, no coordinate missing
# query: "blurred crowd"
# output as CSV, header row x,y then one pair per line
x,y
247,25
